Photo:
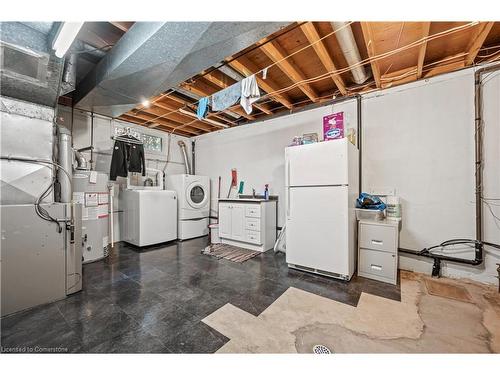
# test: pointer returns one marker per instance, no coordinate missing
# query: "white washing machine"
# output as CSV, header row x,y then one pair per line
x,y
193,193
149,216
149,212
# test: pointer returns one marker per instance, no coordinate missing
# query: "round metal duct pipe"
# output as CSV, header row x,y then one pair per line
x,y
350,50
65,160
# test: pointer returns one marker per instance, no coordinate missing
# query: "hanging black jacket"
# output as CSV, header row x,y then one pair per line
x,y
136,161
118,161
127,157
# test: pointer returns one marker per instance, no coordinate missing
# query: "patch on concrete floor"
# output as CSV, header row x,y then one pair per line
x,y
440,289
299,320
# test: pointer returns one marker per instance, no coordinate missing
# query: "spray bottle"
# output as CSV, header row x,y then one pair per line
x,y
266,192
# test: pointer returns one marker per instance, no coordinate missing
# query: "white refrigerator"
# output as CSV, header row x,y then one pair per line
x,y
322,184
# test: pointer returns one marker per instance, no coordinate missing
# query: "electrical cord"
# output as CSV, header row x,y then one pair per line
x,y
458,241
40,211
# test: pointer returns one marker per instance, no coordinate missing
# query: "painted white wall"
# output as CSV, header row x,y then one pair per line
x,y
104,129
417,139
257,151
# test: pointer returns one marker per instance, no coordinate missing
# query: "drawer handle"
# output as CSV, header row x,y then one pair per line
x,y
376,267
377,242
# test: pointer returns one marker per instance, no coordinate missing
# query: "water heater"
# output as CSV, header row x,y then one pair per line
x,y
90,188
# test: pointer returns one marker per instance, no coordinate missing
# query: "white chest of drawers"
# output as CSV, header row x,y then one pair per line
x,y
248,223
378,250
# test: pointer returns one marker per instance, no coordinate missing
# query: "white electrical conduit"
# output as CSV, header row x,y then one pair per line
x,y
349,48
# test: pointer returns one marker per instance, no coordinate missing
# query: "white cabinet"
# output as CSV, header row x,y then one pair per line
x,y
378,250
238,222
225,220
248,223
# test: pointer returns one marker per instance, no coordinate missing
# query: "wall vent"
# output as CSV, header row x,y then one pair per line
x,y
19,63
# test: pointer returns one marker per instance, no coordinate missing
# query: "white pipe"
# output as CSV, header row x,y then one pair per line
x,y
111,192
349,48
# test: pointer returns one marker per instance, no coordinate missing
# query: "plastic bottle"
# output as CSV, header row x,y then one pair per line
x,y
266,192
393,209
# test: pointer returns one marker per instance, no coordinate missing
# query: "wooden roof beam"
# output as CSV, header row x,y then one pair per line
x,y
145,123
123,26
477,41
161,113
278,55
220,83
155,122
314,39
370,47
176,99
426,26
245,67
199,124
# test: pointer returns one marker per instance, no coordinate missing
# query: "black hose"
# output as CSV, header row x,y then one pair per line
x,y
39,210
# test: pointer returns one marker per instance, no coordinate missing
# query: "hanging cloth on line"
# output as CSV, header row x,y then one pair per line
x,y
249,93
224,99
202,110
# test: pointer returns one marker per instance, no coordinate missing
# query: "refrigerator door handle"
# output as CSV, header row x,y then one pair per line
x,y
287,202
288,172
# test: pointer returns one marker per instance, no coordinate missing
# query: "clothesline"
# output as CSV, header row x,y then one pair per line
x,y
246,91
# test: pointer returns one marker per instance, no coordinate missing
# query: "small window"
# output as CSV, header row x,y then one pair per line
x,y
151,143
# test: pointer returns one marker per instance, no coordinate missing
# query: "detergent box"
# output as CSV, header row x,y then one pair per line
x,y
333,126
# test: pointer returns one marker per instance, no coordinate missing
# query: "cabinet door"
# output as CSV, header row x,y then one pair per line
x,y
224,220
238,222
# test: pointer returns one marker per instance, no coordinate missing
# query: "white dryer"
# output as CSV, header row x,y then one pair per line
x,y
193,193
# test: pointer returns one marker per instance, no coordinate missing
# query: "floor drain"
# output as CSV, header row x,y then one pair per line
x,y
321,349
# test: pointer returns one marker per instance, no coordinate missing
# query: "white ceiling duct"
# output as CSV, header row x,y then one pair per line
x,y
350,50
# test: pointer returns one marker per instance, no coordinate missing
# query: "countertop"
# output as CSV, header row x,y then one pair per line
x,y
257,200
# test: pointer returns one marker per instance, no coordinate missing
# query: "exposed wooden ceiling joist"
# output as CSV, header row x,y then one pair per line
x,y
212,77
276,53
158,110
421,53
245,67
152,121
477,41
452,45
370,47
314,39
203,92
130,118
178,100
123,26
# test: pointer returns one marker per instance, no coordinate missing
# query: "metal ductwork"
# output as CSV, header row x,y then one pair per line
x,y
349,48
68,83
81,161
65,160
153,57
187,165
29,70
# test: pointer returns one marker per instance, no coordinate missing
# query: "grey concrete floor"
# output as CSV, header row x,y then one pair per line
x,y
153,300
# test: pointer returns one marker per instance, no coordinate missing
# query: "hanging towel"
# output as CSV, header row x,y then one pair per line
x,y
249,93
226,98
202,110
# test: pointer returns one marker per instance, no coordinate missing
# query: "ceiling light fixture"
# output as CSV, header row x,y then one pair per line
x,y
145,103
65,36
216,123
